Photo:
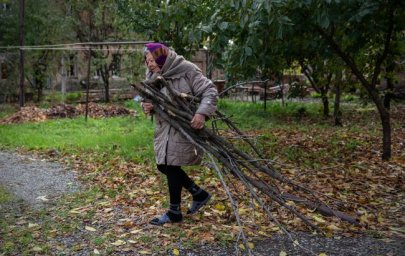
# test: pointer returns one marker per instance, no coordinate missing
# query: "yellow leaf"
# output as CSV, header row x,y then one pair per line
x,y
282,253
251,245
242,246
118,243
88,228
135,231
176,252
132,242
145,252
323,254
37,249
220,207
318,219
332,227
32,225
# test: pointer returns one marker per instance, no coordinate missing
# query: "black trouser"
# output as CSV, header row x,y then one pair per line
x,y
176,179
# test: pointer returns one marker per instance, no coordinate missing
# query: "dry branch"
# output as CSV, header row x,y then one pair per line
x,y
178,110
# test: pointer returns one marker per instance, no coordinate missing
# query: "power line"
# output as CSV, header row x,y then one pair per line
x,y
88,44
80,49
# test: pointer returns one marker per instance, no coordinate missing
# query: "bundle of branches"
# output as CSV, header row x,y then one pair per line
x,y
178,109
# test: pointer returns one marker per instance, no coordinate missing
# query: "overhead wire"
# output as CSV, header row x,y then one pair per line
x,y
70,45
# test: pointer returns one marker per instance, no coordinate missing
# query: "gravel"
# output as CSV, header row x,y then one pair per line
x,y
339,246
37,182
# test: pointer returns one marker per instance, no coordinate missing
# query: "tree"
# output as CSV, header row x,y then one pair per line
x,y
45,23
168,21
361,34
98,21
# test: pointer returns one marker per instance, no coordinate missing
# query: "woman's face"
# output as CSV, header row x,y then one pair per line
x,y
151,63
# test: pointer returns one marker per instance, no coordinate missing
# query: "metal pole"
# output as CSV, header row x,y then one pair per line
x,y
21,17
88,84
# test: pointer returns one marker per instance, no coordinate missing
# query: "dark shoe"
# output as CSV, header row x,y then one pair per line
x,y
167,218
196,205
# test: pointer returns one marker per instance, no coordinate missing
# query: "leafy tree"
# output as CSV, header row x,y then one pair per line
x,y
261,33
97,21
177,23
44,24
361,34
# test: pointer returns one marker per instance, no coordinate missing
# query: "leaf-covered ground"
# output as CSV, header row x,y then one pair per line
x,y
111,215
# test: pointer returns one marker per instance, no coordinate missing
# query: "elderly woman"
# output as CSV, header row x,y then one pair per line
x,y
172,149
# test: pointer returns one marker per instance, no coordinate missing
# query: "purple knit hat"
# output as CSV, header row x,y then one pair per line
x,y
159,52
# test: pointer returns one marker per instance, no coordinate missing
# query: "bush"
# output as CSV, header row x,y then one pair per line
x,y
348,97
315,95
73,96
53,98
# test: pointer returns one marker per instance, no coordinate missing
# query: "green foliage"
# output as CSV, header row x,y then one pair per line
x,y
348,98
315,95
168,21
54,98
73,96
45,23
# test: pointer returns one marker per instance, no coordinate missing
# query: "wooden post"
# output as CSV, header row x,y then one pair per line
x,y
88,84
21,17
63,81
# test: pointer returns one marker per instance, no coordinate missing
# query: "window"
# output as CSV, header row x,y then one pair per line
x,y
116,65
72,67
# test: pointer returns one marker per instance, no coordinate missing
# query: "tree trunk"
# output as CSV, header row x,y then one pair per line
x,y
337,114
325,103
105,75
370,87
385,122
107,91
39,94
390,87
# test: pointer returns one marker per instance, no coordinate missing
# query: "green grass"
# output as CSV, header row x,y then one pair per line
x,y
254,116
5,197
128,137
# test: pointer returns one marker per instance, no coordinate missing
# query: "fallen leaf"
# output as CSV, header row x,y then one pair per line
x,y
95,251
176,252
220,207
333,227
32,225
318,219
119,243
42,198
37,249
282,253
88,228
145,252
135,231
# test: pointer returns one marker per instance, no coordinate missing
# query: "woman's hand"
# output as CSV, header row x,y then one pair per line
x,y
198,121
147,107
